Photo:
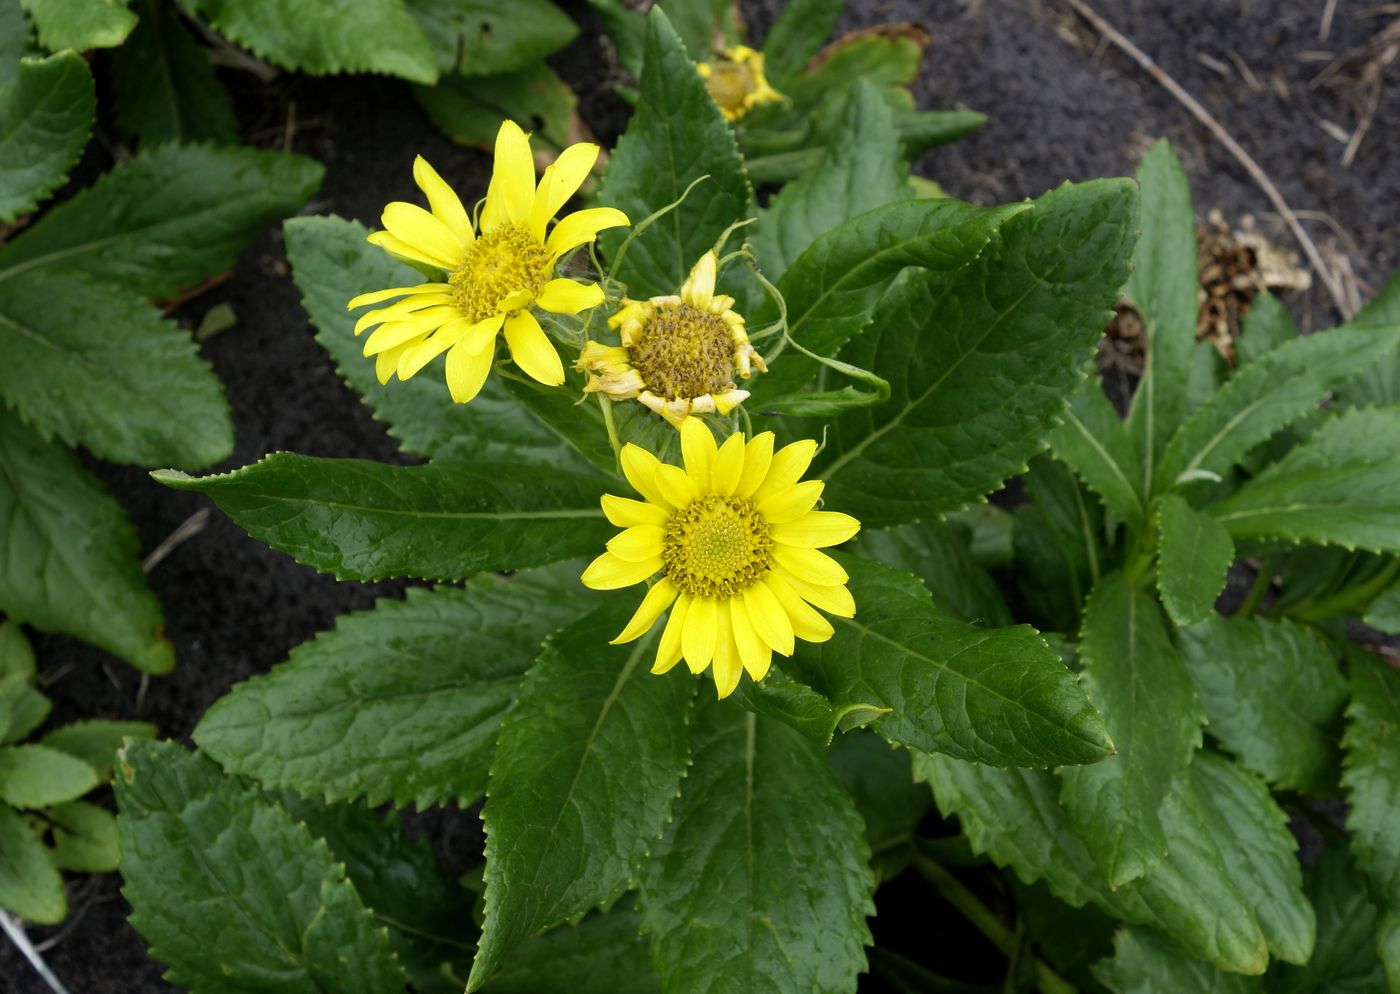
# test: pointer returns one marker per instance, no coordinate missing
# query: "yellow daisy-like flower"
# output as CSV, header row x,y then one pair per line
x,y
735,537
493,277
736,81
679,354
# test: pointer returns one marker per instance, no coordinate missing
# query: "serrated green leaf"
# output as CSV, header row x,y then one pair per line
x,y
1146,962
136,392
980,359
1194,553
1057,541
80,24
1162,286
586,766
365,520
880,780
1383,614
800,31
46,112
999,696
163,85
167,218
332,262
1344,960
1133,675
25,708
197,845
603,954
779,696
34,776
1282,385
1372,783
29,884
470,109
1340,487
326,36
485,37
1379,384
96,742
14,39
1272,696
676,136
71,555
84,838
940,556
1099,448
16,654
761,883
1267,326
389,706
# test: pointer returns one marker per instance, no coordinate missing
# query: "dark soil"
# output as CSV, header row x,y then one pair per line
x,y
1060,106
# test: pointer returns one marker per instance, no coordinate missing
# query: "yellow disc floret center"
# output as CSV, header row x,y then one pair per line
x,y
716,547
496,265
683,352
730,84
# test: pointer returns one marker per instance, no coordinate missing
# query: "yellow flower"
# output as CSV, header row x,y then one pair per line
x,y
735,539
736,81
493,277
679,354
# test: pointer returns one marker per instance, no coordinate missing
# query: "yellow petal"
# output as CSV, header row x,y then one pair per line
x,y
676,485
769,619
668,650
608,572
728,666
789,463
640,467
758,456
807,624
402,250
658,599
627,513
561,181
386,362
447,206
396,333
515,300
816,530
699,288
834,599
637,543
698,451
467,371
580,227
512,189
563,296
698,636
413,359
376,296
729,464
531,349
402,309
813,566
421,229
754,652
792,503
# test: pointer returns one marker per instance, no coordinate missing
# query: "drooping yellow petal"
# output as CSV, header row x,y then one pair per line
x,y
414,358
813,566
446,205
791,503
531,349
816,530
515,300
396,333
834,599
699,289
640,467
729,464
580,227
698,451
769,619
376,296
565,296
787,467
807,624
754,652
386,362
401,309
627,513
698,636
728,666
658,599
467,371
758,456
636,544
676,485
422,230
561,181
668,650
609,572
402,250
512,190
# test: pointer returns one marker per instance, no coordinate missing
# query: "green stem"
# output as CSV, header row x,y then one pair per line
x,y
1257,590
613,440
1350,601
970,906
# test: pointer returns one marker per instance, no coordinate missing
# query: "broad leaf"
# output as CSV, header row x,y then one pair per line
x,y
779,696
1344,960
332,262
676,136
46,112
1381,383
70,554
880,780
1272,696
940,556
1134,677
1057,541
16,654
1146,962
586,766
470,109
24,708
96,742
761,883
1383,613
484,37
1340,487
1194,553
35,776
391,705
364,520
1100,450
981,359
327,36
1267,326
164,87
80,24
799,33
29,884
135,388
603,954
999,696
15,39
84,838
200,846
167,218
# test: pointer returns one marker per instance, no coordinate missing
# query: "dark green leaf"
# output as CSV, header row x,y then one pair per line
x,y
34,776
200,846
1272,695
24,707
16,654
70,554
84,838
981,359
628,30
1194,553
941,557
485,37
470,109
1146,962
880,780
166,219
586,766
137,391
14,39
1136,680
676,136
80,24
364,520
603,954
999,696
1383,613
96,742
391,705
1267,326
761,883
779,696
1098,447
1057,540
46,112
1344,961
798,34
163,85
29,884
1381,383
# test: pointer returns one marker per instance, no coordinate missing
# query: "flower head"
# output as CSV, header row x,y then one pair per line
x,y
679,354
735,539
736,81
493,277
